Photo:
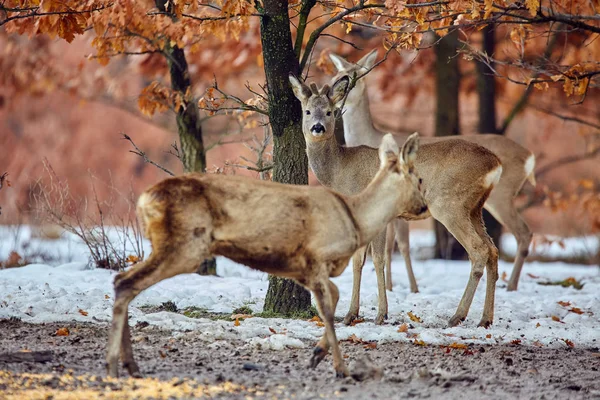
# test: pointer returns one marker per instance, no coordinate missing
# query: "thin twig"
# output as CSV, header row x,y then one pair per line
x,y
143,155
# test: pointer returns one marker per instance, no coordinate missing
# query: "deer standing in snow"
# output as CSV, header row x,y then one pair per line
x,y
517,166
304,233
457,178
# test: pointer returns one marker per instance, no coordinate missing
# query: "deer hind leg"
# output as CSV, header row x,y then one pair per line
x,y
127,352
378,253
403,238
358,261
471,234
326,295
503,209
128,285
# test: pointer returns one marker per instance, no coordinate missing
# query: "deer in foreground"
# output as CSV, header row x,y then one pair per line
x,y
304,233
457,177
517,165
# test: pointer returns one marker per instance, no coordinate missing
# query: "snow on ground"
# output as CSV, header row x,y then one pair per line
x,y
44,293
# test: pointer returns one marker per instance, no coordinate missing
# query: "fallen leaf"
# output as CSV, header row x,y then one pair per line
x,y
537,325
346,356
564,303
568,343
411,335
468,352
106,297
458,346
84,313
162,354
413,317
516,341
532,276
354,339
315,319
273,331
449,334
403,328
237,322
504,276
488,336
537,343
419,342
62,332
357,321
555,318
576,310
131,259
371,345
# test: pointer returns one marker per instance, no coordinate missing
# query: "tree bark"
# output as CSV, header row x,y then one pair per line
x,y
486,90
193,154
447,123
290,163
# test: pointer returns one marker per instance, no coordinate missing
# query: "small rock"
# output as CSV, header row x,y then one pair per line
x,y
251,367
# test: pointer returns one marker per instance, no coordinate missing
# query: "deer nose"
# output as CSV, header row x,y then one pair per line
x,y
423,210
318,128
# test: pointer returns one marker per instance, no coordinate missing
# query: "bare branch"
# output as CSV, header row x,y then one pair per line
x,y
143,155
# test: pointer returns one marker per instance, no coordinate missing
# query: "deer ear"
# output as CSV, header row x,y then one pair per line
x,y
340,63
388,149
301,91
338,90
368,61
408,154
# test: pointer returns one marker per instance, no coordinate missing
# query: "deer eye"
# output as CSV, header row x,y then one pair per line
x,y
307,112
329,113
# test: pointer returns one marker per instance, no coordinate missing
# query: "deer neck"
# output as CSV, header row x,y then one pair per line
x,y
323,157
358,124
373,208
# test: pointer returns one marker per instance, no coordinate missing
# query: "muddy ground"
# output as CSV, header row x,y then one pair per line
x,y
227,369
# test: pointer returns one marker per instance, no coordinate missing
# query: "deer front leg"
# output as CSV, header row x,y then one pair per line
x,y
403,237
389,250
326,295
378,254
358,261
322,347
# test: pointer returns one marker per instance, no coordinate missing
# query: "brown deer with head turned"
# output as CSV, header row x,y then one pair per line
x,y
457,177
517,165
304,233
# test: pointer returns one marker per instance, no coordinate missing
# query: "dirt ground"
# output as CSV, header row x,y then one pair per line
x,y
186,366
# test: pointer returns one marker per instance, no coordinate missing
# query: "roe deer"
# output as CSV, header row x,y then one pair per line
x,y
517,164
457,177
304,233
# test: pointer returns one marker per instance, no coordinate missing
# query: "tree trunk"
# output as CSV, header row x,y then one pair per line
x,y
189,128
447,123
289,150
486,89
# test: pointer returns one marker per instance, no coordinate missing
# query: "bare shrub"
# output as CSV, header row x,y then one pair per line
x,y
113,241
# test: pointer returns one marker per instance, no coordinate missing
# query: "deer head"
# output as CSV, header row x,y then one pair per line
x,y
318,107
346,68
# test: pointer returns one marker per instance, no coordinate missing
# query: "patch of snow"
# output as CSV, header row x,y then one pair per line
x,y
72,291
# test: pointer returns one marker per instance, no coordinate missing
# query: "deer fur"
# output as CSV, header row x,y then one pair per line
x,y
457,177
304,233
517,164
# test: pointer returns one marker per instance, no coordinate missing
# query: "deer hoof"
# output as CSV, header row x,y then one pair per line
x,y
388,287
380,319
455,321
133,369
350,317
112,369
342,373
485,323
511,287
318,355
